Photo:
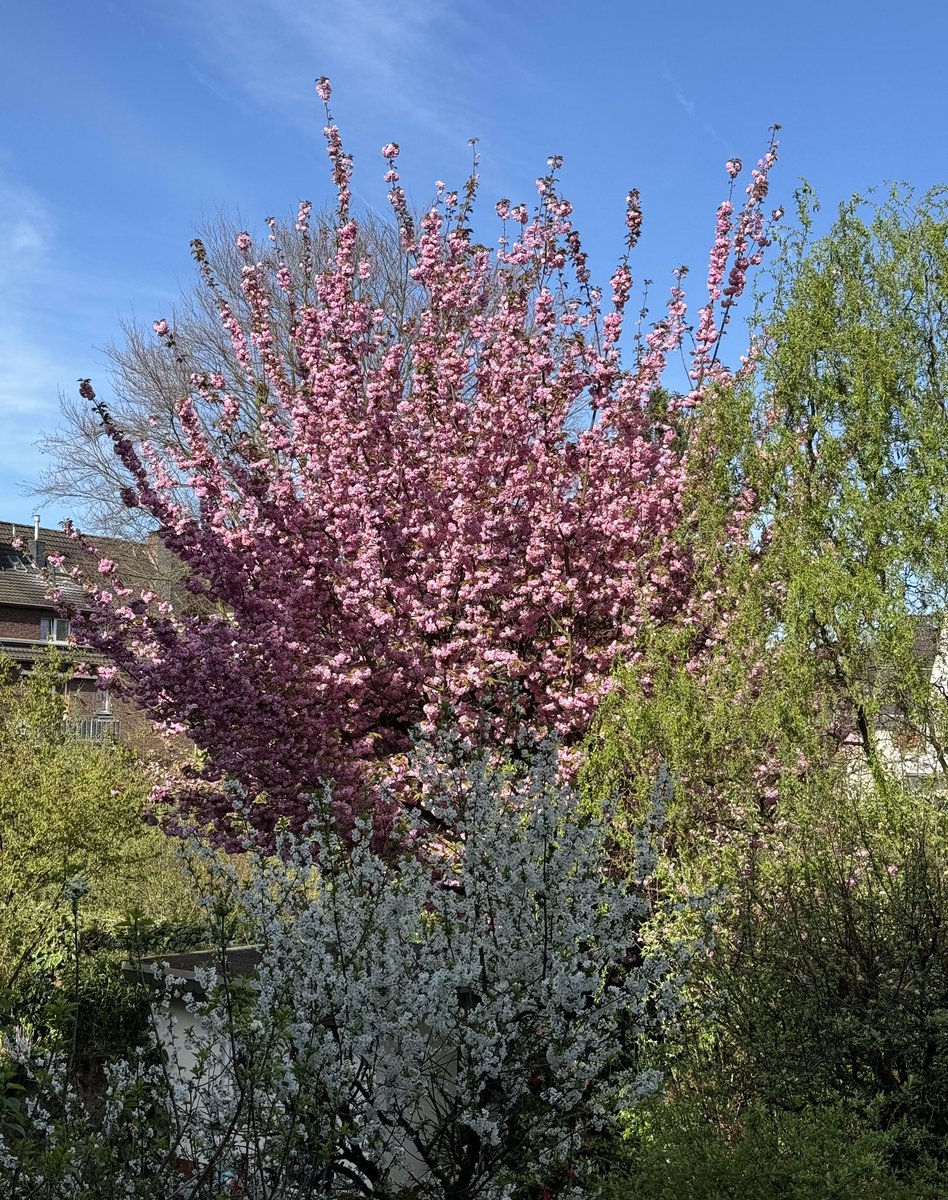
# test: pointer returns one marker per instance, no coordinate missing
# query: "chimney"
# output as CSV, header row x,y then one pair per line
x,y
39,548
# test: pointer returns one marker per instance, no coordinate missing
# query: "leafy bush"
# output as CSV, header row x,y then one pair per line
x,y
674,1152
834,970
70,809
826,993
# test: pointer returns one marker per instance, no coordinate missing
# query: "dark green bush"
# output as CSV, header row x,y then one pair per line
x,y
98,1016
831,979
674,1152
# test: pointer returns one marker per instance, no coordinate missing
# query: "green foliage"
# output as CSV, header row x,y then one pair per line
x,y
673,1152
854,469
830,979
855,368
69,809
97,1008
814,633
808,739
814,1061
73,811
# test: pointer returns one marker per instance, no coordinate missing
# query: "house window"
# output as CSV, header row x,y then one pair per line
x,y
103,702
11,559
54,629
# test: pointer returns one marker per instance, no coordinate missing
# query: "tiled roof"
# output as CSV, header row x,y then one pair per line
x,y
23,584
928,638
928,643
28,589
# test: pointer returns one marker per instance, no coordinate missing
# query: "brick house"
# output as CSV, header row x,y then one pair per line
x,y
29,624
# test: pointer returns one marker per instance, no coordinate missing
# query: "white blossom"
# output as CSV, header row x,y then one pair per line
x,y
453,1015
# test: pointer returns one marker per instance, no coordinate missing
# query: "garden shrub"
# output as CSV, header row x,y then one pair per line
x,y
72,814
674,1152
834,973
827,987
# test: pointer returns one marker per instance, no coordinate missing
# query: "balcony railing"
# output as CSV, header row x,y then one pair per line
x,y
94,729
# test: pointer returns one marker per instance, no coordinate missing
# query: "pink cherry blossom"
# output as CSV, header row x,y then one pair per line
x,y
482,514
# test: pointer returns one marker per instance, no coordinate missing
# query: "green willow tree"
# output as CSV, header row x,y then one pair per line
x,y
810,741
833,614
855,371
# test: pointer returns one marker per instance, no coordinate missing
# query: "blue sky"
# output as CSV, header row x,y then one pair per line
x,y
126,125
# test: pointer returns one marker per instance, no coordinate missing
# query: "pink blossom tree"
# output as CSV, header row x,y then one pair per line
x,y
478,511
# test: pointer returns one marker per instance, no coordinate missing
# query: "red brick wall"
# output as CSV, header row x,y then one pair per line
x,y
21,622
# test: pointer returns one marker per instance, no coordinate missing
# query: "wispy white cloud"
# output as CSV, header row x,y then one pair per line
x,y
50,313
693,109
26,231
30,378
25,237
404,58
27,392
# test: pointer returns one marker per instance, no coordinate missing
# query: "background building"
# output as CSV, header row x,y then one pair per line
x,y
30,623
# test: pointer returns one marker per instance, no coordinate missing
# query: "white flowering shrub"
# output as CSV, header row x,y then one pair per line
x,y
449,1020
